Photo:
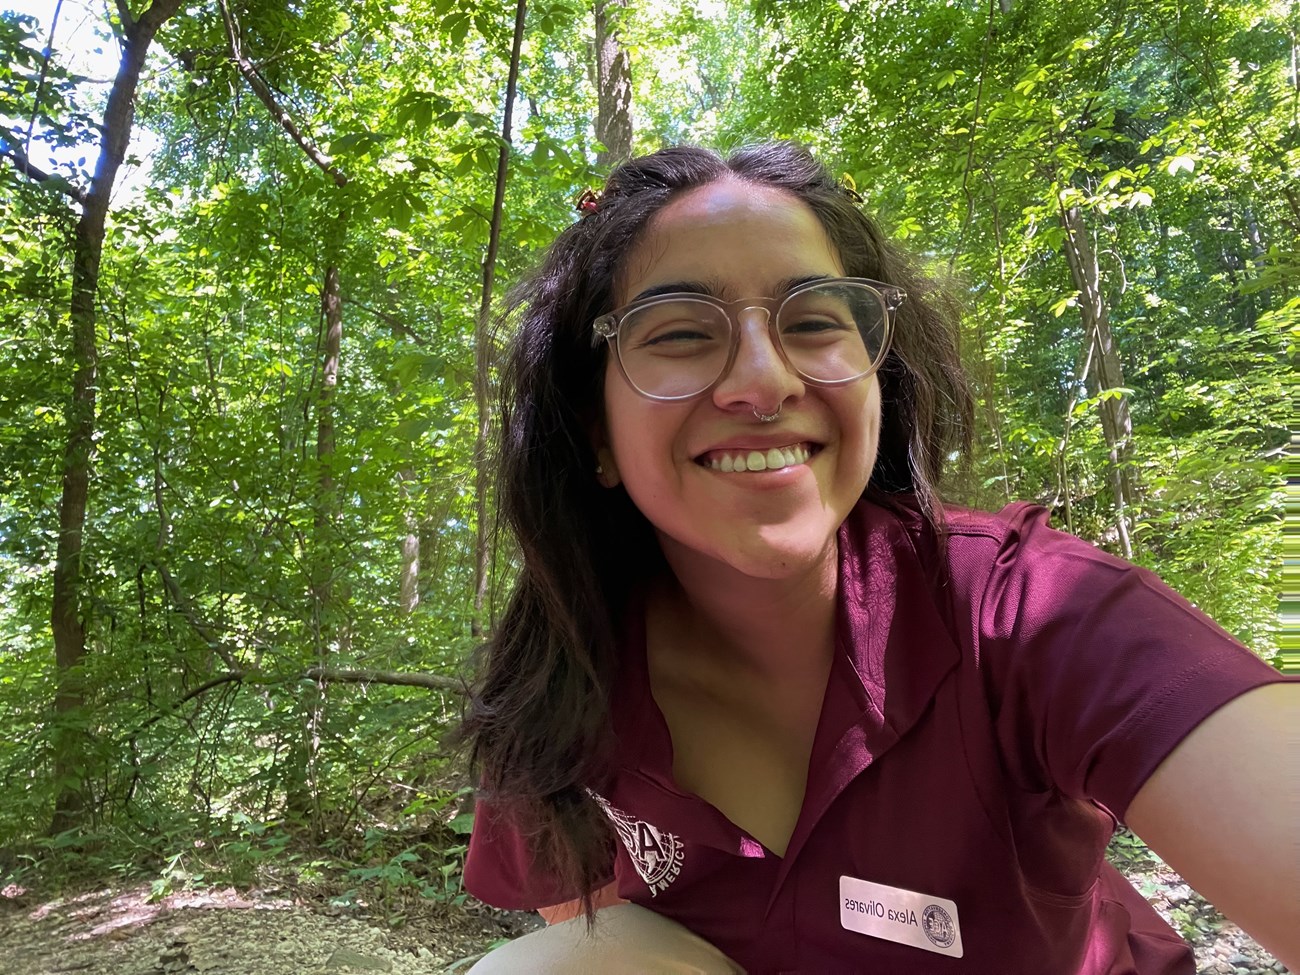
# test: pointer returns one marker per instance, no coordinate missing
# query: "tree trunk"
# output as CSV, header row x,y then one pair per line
x,y
1107,371
329,631
482,341
326,495
330,628
408,490
67,620
408,595
613,86
426,578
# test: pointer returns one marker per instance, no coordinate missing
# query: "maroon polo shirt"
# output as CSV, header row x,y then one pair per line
x,y
990,714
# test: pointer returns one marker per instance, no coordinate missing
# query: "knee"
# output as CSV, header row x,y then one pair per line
x,y
626,940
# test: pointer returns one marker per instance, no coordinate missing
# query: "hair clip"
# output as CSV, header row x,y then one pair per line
x,y
587,202
850,189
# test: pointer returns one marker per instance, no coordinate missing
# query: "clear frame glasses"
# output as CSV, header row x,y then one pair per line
x,y
831,332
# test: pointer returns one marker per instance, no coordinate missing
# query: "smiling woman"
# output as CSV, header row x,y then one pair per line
x,y
778,521
758,696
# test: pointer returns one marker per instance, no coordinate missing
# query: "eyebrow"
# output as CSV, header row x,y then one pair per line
x,y
711,289
676,287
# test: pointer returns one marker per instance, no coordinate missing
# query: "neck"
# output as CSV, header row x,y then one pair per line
x,y
769,627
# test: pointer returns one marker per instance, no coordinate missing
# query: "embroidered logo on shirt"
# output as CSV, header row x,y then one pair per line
x,y
656,853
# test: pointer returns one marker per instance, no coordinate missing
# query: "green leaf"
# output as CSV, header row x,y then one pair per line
x,y
463,824
910,227
1059,308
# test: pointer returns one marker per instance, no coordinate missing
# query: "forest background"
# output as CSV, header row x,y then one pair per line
x,y
245,524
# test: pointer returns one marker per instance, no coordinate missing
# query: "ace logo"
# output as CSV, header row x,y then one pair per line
x,y
656,854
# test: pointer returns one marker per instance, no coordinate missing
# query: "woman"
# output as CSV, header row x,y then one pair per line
x,y
755,681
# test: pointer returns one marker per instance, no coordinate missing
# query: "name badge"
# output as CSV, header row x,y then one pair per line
x,y
904,916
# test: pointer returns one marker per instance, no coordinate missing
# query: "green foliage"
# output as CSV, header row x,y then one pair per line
x,y
969,131
228,551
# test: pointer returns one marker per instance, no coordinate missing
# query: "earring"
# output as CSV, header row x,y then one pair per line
x,y
606,468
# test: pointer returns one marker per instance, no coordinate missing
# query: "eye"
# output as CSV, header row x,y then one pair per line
x,y
813,324
675,335
816,314
674,327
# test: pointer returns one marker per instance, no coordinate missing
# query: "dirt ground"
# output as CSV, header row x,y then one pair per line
x,y
119,932
225,932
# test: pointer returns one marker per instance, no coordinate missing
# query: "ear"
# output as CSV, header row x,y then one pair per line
x,y
606,468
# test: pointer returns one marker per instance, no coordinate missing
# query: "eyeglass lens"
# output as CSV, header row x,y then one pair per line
x,y
678,347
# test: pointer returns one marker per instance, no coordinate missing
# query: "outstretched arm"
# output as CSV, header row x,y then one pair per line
x,y
1224,811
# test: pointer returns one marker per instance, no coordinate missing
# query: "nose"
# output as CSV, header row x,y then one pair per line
x,y
759,378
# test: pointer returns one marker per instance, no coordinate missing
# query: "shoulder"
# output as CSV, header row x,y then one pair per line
x,y
1004,554
966,527
968,547
1013,523
1013,588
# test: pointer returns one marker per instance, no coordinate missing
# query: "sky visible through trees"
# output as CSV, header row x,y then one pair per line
x,y
244,544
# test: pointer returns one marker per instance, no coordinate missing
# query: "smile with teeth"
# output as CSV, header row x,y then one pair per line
x,y
739,461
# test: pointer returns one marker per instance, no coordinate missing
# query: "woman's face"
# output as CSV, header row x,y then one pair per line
x,y
736,240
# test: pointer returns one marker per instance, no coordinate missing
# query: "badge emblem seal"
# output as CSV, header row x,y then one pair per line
x,y
937,925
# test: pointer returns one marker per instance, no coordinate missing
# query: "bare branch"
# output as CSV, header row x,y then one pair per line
x,y
393,321
970,143
433,682
207,631
47,56
36,174
267,97
232,676
482,344
126,17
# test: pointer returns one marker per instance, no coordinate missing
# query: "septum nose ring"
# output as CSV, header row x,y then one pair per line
x,y
761,416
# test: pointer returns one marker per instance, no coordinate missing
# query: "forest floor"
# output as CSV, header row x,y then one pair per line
x,y
119,932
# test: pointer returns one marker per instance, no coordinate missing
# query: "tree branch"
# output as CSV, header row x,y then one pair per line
x,y
267,97
392,320
970,143
126,17
433,682
200,626
234,675
38,175
46,57
482,343
206,630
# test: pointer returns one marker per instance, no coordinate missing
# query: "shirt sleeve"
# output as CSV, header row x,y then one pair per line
x,y
1094,668
501,866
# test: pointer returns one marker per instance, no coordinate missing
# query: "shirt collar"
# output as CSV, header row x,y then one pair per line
x,y
893,651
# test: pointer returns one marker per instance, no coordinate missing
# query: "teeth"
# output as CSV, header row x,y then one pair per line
x,y
757,460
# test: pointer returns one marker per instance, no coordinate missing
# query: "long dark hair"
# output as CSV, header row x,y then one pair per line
x,y
537,724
